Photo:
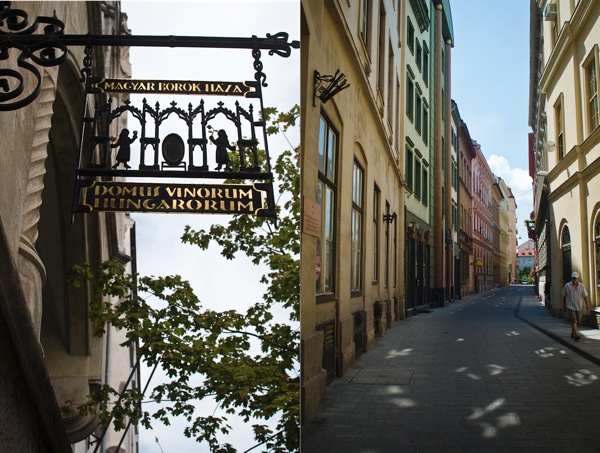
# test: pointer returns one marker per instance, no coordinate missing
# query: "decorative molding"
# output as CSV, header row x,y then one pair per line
x,y
37,165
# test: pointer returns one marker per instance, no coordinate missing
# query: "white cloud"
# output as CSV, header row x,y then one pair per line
x,y
519,181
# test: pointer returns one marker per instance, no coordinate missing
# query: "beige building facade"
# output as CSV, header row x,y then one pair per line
x,y
564,116
352,187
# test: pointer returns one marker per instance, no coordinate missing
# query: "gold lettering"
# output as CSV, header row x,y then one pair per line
x,y
249,206
245,193
163,205
237,89
172,190
148,205
194,205
134,203
189,192
130,191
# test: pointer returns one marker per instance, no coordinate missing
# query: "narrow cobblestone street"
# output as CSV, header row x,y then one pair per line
x,y
490,372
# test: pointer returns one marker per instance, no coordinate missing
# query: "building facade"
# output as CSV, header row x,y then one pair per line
x,y
565,149
400,210
466,154
483,222
352,186
51,353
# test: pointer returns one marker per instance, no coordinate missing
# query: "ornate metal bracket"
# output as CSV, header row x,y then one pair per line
x,y
327,86
16,31
389,218
43,43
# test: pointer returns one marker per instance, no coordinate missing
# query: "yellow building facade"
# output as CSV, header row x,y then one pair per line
x,y
352,186
564,115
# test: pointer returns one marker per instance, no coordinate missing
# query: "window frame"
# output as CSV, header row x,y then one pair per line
x,y
357,237
327,183
410,35
559,120
410,94
376,226
591,100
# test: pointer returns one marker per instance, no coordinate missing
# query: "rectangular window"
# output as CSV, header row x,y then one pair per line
x,y
425,131
408,170
418,110
365,23
386,279
425,64
410,96
425,186
592,93
390,86
560,128
454,216
399,26
410,35
396,124
356,229
381,52
418,179
454,173
376,198
418,54
326,197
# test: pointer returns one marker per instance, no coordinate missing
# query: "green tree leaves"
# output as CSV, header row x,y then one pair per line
x,y
246,362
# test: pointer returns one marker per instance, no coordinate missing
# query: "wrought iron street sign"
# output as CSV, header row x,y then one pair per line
x,y
207,139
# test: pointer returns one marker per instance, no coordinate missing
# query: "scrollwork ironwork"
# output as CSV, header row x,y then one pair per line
x,y
16,31
42,42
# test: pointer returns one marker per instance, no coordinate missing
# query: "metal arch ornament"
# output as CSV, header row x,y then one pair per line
x,y
15,29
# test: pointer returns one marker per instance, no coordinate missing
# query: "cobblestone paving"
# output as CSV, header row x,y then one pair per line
x,y
491,372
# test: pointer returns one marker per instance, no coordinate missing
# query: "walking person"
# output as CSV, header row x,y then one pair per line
x,y
573,294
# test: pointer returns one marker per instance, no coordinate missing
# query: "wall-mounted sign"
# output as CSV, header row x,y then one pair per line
x,y
102,85
311,218
174,198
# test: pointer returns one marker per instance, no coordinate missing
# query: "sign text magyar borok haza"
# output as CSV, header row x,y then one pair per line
x,y
103,85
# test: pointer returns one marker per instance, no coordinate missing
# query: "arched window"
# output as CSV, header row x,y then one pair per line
x,y
565,244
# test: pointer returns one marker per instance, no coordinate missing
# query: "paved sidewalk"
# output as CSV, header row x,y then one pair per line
x,y
532,311
492,372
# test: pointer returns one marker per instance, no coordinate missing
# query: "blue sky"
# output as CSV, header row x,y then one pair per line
x,y
490,84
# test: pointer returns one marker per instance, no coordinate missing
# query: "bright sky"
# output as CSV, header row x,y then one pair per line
x,y
490,84
219,283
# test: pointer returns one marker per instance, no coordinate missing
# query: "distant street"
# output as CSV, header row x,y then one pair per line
x,y
470,377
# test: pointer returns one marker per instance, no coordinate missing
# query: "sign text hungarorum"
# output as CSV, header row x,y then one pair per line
x,y
176,198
